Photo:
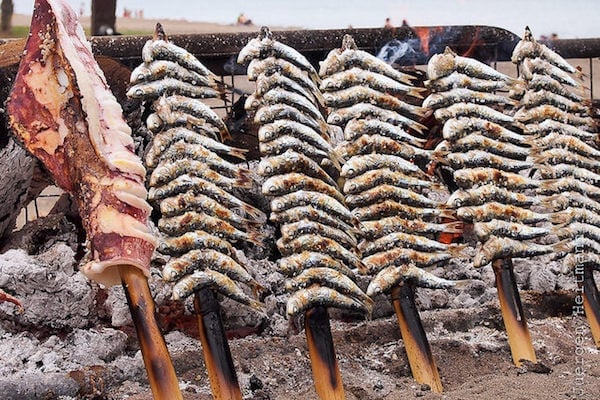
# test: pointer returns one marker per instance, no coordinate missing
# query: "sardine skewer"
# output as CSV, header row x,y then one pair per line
x,y
591,301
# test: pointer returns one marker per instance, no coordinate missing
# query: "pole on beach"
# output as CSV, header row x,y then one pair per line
x,y
417,347
515,322
325,370
217,356
157,361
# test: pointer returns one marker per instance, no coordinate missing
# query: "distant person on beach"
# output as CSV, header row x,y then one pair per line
x,y
388,24
242,20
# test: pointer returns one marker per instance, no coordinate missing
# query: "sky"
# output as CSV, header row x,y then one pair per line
x,y
567,18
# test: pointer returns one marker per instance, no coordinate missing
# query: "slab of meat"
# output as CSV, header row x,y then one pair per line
x,y
63,112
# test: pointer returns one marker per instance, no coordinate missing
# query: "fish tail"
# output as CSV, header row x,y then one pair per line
x,y
238,152
255,238
416,92
244,180
256,287
456,250
454,227
448,214
253,213
562,218
257,305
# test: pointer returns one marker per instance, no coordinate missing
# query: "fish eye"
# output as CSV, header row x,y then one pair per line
x,y
141,76
139,92
272,189
268,169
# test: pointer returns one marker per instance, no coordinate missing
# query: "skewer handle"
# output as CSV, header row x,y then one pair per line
x,y
325,370
591,303
159,367
217,356
515,322
415,340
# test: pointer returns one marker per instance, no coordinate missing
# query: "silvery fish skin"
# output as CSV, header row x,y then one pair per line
x,y
462,95
549,125
487,193
194,221
208,259
288,142
318,200
159,69
581,259
165,50
157,124
265,82
155,89
456,128
167,171
303,299
188,201
568,170
575,229
528,47
441,65
576,246
292,161
402,239
531,66
330,278
163,140
358,165
568,184
196,240
480,158
358,76
216,281
564,200
191,106
306,260
373,178
270,65
559,155
472,110
389,208
467,178
348,56
185,183
372,230
291,182
460,80
293,230
358,127
576,214
391,276
505,212
547,111
364,94
363,110
546,82
274,112
390,192
515,230
400,256
313,213
380,144
265,46
310,242
281,96
279,128
572,143
477,141
197,152
497,248
533,99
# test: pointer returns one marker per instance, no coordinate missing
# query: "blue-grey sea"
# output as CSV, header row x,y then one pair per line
x,y
566,18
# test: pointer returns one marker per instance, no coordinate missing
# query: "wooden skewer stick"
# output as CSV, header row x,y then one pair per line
x,y
159,367
217,356
515,323
325,370
415,340
591,303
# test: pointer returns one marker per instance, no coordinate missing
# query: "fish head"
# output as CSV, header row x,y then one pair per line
x,y
140,74
154,123
250,51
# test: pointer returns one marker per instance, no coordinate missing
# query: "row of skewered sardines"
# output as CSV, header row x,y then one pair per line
x,y
343,163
